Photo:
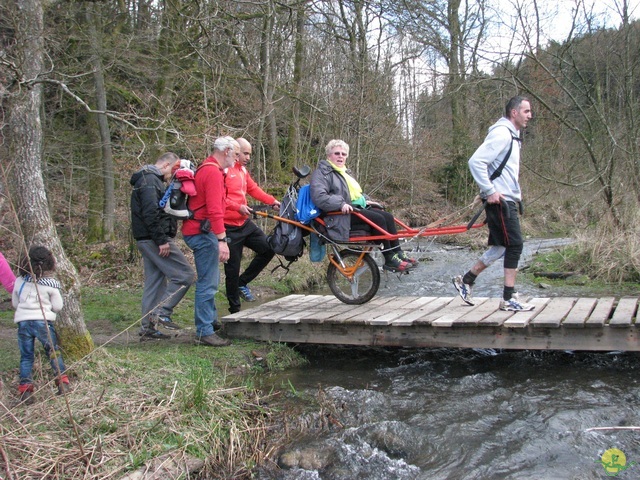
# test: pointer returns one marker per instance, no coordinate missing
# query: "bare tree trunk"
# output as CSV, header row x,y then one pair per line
x,y
268,116
457,98
298,63
630,111
109,206
30,199
93,161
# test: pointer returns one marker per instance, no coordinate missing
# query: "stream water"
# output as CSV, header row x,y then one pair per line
x,y
465,414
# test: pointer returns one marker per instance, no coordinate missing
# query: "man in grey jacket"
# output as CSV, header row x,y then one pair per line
x,y
495,167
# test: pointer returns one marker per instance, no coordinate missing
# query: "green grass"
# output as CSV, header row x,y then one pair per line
x,y
589,271
121,307
135,401
302,276
568,259
135,405
110,310
10,357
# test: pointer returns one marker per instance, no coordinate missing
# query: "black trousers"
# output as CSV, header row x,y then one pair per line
x,y
251,236
504,224
385,220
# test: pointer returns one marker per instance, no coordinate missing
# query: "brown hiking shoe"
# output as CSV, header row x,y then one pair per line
x,y
212,340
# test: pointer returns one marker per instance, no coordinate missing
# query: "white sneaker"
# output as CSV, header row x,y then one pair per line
x,y
463,289
515,305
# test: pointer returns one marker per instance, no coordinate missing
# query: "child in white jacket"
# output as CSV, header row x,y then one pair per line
x,y
37,300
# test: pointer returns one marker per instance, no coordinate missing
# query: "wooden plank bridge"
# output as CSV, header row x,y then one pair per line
x,y
561,323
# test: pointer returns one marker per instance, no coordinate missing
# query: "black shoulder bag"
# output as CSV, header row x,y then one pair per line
x,y
498,170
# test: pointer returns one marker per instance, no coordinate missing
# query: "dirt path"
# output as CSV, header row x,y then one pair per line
x,y
102,332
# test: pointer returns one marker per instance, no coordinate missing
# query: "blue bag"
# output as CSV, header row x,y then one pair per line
x,y
316,248
305,208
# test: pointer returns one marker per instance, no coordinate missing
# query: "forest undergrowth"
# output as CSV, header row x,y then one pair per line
x,y
604,253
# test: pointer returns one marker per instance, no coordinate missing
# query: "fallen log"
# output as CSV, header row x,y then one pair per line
x,y
555,275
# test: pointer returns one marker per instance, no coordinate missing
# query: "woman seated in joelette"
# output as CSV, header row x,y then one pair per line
x,y
334,189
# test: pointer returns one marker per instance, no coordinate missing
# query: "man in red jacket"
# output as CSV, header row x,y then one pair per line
x,y
205,235
241,230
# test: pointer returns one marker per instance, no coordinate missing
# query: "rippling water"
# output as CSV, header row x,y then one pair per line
x,y
472,415
467,414
439,263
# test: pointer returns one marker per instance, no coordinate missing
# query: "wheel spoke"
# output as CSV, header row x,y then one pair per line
x,y
354,280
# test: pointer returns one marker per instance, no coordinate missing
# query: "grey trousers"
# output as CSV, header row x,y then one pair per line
x,y
166,279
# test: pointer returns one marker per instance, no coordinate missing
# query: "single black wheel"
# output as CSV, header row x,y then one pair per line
x,y
358,282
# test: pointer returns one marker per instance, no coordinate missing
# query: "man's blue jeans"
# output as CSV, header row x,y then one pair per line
x,y
205,254
28,331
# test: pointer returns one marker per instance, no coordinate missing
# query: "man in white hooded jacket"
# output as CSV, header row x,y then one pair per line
x,y
495,167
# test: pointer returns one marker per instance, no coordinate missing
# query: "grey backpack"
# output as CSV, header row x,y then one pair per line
x,y
287,239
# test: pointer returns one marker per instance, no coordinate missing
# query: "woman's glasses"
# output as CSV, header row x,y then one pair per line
x,y
342,154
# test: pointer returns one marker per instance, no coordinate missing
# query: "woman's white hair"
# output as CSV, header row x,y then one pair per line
x,y
336,143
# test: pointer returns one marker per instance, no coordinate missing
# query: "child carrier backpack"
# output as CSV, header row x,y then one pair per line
x,y
181,187
287,239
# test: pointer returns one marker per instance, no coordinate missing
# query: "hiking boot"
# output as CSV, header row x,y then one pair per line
x,y
166,322
152,334
407,258
515,305
464,290
212,340
396,264
63,385
246,294
26,394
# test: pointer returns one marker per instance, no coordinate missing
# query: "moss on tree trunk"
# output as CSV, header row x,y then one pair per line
x,y
75,345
